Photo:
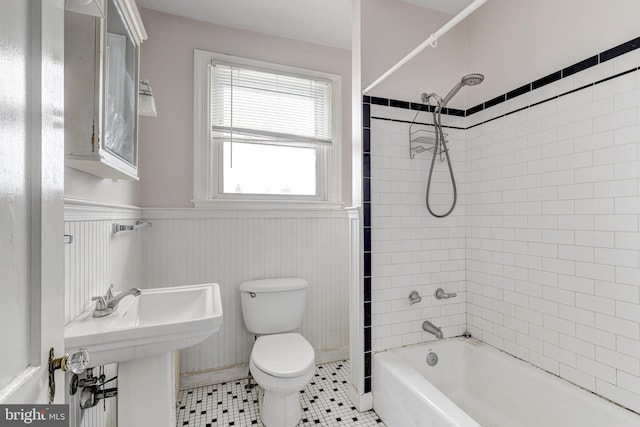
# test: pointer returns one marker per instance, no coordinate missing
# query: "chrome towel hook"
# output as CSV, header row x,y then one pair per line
x,y
116,228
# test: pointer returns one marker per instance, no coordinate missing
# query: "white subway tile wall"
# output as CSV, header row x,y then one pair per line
x,y
552,265
412,250
544,246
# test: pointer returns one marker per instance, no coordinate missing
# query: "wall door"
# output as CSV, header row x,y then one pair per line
x,y
31,197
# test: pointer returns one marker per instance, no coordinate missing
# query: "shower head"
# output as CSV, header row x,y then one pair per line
x,y
472,79
468,80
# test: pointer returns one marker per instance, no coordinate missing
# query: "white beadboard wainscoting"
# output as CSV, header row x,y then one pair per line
x,y
98,258
189,246
95,259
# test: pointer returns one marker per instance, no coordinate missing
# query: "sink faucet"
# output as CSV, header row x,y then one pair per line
x,y
432,329
105,305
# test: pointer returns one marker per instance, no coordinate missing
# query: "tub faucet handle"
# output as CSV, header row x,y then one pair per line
x,y
441,294
414,297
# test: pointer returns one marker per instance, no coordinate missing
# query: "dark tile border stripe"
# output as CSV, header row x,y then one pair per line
x,y
517,92
500,99
619,50
551,78
366,224
416,122
580,66
556,96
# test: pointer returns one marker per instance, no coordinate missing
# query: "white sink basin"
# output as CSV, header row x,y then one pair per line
x,y
158,321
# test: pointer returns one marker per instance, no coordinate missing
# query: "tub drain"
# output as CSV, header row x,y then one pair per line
x,y
432,359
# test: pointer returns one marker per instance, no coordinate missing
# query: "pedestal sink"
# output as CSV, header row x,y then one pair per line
x,y
156,322
141,335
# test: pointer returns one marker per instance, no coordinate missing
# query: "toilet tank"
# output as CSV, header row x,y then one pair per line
x,y
272,306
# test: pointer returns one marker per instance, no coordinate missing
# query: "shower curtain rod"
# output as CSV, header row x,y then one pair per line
x,y
431,41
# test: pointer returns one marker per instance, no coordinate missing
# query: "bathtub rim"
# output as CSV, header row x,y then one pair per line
x,y
473,341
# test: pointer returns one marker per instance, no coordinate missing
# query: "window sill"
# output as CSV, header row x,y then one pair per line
x,y
266,205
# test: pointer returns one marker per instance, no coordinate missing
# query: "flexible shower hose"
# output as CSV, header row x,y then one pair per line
x,y
443,144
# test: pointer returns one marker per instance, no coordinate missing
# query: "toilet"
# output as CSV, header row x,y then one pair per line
x,y
282,361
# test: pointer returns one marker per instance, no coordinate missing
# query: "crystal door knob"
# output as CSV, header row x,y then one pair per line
x,y
75,363
78,361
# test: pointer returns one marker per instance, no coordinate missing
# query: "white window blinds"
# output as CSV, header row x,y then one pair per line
x,y
258,106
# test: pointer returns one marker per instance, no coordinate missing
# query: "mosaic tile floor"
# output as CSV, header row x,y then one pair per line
x,y
324,403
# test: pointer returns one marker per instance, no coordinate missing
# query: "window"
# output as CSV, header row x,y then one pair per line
x,y
264,131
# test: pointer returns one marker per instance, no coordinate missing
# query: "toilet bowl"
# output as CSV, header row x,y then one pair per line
x,y
282,365
282,362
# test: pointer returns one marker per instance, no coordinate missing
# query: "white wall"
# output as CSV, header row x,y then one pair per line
x,y
166,142
514,42
84,186
389,30
553,252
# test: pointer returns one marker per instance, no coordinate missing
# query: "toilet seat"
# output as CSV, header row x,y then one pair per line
x,y
283,355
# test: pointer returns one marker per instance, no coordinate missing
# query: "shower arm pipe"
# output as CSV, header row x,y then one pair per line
x,y
431,41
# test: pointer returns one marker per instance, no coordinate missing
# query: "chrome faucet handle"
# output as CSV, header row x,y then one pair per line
x,y
441,294
109,295
414,297
101,303
102,307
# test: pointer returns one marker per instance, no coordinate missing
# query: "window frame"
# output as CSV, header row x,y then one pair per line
x,y
208,156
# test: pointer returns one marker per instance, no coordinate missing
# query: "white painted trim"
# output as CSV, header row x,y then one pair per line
x,y
205,170
353,212
203,178
332,355
214,376
256,212
254,205
333,171
85,210
362,402
356,297
86,7
232,373
133,20
300,205
25,384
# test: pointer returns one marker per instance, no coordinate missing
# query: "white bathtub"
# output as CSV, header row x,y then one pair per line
x,y
474,384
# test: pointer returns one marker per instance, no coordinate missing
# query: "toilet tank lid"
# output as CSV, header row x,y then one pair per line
x,y
274,285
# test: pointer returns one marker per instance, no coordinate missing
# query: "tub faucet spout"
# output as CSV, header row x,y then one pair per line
x,y
432,329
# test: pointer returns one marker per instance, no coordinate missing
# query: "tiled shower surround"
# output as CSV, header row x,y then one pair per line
x,y
544,245
411,250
